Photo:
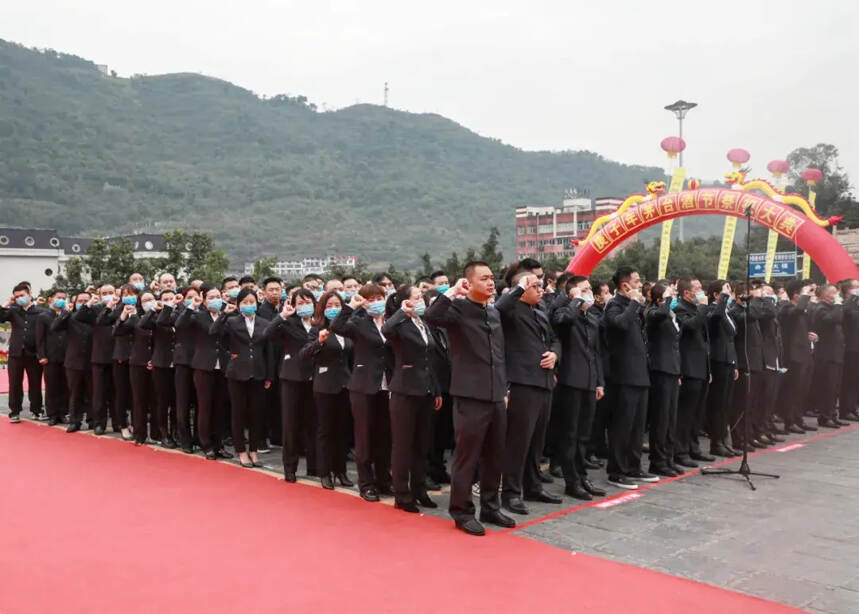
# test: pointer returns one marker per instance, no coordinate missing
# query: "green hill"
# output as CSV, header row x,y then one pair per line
x,y
89,153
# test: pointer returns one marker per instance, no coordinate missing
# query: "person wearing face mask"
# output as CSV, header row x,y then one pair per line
x,y
773,365
272,298
331,357
849,397
828,322
442,419
424,284
137,281
361,321
795,319
384,281
440,281
692,310
186,298
351,285
334,285
531,353
162,368
76,361
289,332
721,331
415,394
249,373
50,352
479,388
663,353
23,314
597,446
137,342
313,283
209,362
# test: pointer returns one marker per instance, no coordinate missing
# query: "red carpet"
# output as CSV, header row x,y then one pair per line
x,y
4,382
96,525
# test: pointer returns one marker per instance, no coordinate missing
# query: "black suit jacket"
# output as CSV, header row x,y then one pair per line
x,y
163,337
413,371
268,311
476,347
289,336
795,320
78,352
694,339
527,336
248,355
579,332
850,325
721,329
828,326
50,342
140,351
749,316
771,336
211,351
23,338
625,336
440,355
332,364
370,360
102,332
663,339
184,339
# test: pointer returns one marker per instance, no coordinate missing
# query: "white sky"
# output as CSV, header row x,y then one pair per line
x,y
768,76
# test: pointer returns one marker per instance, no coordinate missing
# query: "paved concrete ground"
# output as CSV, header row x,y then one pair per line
x,y
795,540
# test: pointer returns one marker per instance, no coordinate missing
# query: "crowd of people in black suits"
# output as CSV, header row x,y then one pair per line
x,y
508,373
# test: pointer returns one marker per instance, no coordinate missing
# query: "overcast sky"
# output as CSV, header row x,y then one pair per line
x,y
768,76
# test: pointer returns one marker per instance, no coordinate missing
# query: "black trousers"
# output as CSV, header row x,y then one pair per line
x,y
411,430
246,401
527,419
479,430
298,420
18,365
56,392
745,405
598,442
372,439
211,389
792,396
573,416
719,401
442,437
626,429
80,395
121,394
273,426
662,408
332,413
141,402
183,383
102,397
691,411
772,381
849,399
828,374
163,380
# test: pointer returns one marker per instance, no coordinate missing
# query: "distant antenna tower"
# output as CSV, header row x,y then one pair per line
x,y
386,93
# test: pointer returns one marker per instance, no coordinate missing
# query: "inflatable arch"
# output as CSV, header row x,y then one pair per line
x,y
808,235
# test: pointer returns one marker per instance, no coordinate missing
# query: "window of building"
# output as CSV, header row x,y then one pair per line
x,y
4,240
49,272
76,248
55,242
29,241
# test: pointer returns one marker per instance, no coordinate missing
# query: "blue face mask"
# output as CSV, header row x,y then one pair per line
x,y
699,296
332,312
248,310
283,296
214,304
138,285
106,299
730,300
60,303
79,305
348,295
233,293
317,294
22,301
304,311
420,308
129,300
376,308
443,288
673,304
188,302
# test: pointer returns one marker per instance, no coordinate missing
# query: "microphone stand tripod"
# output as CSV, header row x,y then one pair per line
x,y
744,469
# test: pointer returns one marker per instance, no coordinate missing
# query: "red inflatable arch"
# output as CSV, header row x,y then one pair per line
x,y
815,240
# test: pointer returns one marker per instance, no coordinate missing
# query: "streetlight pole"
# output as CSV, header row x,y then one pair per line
x,y
680,108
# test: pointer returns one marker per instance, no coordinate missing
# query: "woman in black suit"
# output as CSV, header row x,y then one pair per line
x,y
414,395
721,329
108,316
183,354
331,357
361,321
290,330
129,326
248,372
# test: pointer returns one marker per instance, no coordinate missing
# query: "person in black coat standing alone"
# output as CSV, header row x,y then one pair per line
x,y
479,388
22,313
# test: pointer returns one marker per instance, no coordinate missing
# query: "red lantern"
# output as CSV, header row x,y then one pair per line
x,y
812,176
738,157
778,167
673,145
694,184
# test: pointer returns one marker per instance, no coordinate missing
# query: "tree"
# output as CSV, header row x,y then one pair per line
x,y
72,277
453,267
264,267
213,269
120,263
96,261
834,192
176,245
426,265
490,253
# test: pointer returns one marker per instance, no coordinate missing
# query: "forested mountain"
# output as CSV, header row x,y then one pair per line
x,y
91,154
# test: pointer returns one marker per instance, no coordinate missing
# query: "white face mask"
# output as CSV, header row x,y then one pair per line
x,y
148,305
588,298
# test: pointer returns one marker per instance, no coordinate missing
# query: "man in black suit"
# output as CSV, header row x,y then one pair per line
x,y
76,360
795,319
531,352
597,446
479,388
847,409
51,351
272,291
773,365
691,311
829,353
630,379
163,374
23,313
442,420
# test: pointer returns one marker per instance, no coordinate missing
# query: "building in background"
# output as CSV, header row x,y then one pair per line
x,y
294,269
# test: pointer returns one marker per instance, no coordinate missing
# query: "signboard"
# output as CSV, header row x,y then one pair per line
x,y
784,264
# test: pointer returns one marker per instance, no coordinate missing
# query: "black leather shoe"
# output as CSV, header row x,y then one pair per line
x,y
442,477
685,461
840,422
589,486
188,448
223,453
721,450
344,480
542,497
663,470
370,495
796,429
577,491
470,526
704,458
676,468
386,490
289,476
99,430
425,501
211,455
246,465
852,416
514,505
327,482
497,518
757,443
774,438
53,421
431,484
544,477
74,427
556,471
826,423
807,427
408,506
592,463
169,443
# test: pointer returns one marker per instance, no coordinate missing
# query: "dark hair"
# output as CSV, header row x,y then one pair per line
x,y
245,292
572,280
378,277
395,301
205,288
469,267
623,274
656,292
247,279
529,264
271,280
303,293
844,287
345,277
684,284
319,320
597,285
794,287
715,288
371,290
435,274
423,278
129,289
227,279
160,294
308,277
561,280
23,286
25,283
430,296
56,291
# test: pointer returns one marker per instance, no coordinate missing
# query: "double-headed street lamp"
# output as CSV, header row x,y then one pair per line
x,y
680,108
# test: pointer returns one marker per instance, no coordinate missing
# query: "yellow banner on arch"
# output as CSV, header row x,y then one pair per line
x,y
727,246
678,177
